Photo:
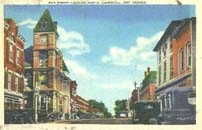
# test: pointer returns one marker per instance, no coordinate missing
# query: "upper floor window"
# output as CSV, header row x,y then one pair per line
x,y
171,67
164,50
9,81
159,56
18,57
181,60
171,47
43,59
164,72
11,52
12,39
159,74
188,55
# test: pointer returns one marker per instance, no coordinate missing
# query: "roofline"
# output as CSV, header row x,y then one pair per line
x,y
165,35
170,30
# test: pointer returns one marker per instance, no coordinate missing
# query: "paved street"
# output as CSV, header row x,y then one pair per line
x,y
99,121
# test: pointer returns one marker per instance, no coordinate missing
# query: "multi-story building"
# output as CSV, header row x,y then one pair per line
x,y
177,68
74,109
147,90
45,69
13,66
83,105
176,56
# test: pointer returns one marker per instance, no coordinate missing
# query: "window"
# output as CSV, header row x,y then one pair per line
x,y
164,76
16,84
11,52
181,60
165,102
159,56
188,54
164,50
171,47
18,57
43,78
9,81
12,39
159,74
169,101
171,67
43,59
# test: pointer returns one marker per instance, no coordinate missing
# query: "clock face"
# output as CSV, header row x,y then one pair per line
x,y
44,39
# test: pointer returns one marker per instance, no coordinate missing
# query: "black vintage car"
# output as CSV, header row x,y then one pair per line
x,y
18,116
146,112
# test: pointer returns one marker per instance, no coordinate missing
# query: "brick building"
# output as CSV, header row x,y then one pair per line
x,y
45,70
176,58
83,104
73,100
147,90
13,66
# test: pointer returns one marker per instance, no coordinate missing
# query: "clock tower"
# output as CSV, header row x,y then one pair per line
x,y
48,65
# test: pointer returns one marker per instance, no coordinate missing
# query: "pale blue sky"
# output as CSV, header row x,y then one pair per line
x,y
105,47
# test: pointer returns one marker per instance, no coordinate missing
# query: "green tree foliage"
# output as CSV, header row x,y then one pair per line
x,y
120,105
101,106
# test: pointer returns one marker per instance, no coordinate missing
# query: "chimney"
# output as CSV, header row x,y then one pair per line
x,y
145,74
148,70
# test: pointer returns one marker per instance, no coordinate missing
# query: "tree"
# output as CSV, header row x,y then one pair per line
x,y
120,105
101,107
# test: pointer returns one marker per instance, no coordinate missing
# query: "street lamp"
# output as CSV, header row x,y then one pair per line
x,y
36,93
135,84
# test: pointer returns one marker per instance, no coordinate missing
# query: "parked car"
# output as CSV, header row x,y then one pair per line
x,y
146,112
123,114
18,116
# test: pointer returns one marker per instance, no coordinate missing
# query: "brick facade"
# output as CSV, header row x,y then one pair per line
x,y
48,69
13,66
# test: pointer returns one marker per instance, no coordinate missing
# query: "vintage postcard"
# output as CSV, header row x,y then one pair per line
x,y
100,64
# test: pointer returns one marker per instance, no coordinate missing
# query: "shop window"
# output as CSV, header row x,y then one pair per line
x,y
16,84
169,101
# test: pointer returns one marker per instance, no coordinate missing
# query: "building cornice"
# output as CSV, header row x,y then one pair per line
x,y
172,81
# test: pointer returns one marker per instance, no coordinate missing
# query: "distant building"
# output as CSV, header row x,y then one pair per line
x,y
83,104
147,90
74,108
176,63
13,66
